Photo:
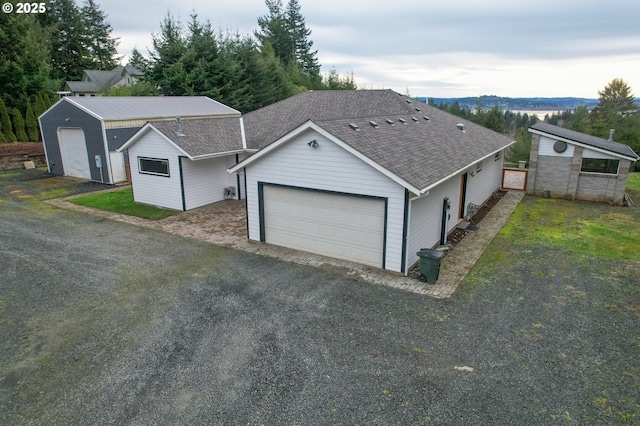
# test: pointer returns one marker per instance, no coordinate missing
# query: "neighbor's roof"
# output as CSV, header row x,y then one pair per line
x,y
149,107
201,138
425,149
592,141
96,80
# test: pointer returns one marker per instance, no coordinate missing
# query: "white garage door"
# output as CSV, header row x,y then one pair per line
x,y
335,225
73,150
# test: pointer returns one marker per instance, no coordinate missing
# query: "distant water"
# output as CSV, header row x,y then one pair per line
x,y
539,113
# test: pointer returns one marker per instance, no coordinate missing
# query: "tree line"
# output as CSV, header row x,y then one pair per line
x,y
616,110
40,52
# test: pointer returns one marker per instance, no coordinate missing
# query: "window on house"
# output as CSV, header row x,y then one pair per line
x,y
153,166
600,165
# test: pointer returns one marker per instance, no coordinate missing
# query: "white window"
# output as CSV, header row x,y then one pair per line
x,y
153,166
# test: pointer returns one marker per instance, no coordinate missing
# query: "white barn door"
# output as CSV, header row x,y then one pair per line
x,y
73,149
335,225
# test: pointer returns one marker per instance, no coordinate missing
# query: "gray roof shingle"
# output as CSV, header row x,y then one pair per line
x,y
151,107
204,137
572,135
421,152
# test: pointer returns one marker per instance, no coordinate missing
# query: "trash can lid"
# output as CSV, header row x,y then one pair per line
x,y
430,254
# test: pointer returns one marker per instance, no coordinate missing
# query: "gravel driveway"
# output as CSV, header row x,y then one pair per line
x,y
106,323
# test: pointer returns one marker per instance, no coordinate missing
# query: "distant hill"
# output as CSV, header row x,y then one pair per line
x,y
518,104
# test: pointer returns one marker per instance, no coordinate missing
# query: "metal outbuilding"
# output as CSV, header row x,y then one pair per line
x,y
81,135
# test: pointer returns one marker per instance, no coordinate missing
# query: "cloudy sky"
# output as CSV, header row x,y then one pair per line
x,y
444,48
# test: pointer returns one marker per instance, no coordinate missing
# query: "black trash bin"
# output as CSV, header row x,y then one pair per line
x,y
429,265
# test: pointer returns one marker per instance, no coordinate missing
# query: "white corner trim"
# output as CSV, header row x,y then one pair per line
x,y
244,138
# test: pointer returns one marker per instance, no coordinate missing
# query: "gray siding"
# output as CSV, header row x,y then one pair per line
x,y
117,137
56,118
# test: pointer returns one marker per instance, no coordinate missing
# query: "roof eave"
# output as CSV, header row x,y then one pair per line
x,y
582,144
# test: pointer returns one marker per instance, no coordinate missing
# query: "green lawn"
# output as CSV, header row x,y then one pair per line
x,y
600,230
121,201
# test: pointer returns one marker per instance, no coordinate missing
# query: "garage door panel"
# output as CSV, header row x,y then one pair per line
x,y
73,150
335,225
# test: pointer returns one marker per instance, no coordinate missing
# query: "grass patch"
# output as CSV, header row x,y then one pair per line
x,y
600,230
121,201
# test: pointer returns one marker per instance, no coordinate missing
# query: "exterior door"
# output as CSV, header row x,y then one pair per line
x,y
73,150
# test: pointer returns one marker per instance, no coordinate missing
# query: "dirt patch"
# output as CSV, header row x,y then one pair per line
x,y
458,234
22,148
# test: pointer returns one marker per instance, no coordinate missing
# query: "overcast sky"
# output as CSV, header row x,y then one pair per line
x,y
443,48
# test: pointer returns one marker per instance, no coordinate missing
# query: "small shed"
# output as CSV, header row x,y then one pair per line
x,y
568,164
81,135
182,164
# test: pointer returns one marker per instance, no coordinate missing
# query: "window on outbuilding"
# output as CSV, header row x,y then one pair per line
x,y
153,166
600,165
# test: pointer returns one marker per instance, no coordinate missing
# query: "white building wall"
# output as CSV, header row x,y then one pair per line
x,y
546,148
327,167
486,182
205,180
155,190
425,216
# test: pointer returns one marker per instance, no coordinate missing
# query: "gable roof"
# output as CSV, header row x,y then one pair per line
x,y
612,147
149,107
418,154
96,80
200,138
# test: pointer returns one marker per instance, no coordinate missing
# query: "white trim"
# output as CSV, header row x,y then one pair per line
x,y
144,130
244,138
311,125
88,111
217,154
50,108
583,145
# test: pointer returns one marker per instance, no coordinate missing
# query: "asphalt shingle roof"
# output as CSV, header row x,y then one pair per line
x,y
421,152
202,137
151,107
611,146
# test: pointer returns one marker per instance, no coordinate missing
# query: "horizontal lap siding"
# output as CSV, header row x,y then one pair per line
x,y
327,167
205,180
483,184
159,191
425,219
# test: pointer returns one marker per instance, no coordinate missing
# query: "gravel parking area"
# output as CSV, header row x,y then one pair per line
x,y
107,323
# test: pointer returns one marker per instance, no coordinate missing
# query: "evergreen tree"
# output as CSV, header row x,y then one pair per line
x,y
165,70
69,43
31,124
299,33
274,29
5,122
102,47
24,69
40,105
137,60
18,125
616,103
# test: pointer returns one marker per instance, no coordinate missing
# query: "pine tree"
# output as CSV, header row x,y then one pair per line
x,y
616,103
31,124
18,125
102,47
165,70
295,23
140,62
40,105
274,29
5,121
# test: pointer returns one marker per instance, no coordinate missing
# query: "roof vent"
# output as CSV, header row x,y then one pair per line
x,y
408,101
460,126
611,132
414,119
390,121
418,109
354,126
374,124
402,120
426,118
179,127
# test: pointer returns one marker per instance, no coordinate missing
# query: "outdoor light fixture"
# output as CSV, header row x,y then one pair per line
x,y
313,143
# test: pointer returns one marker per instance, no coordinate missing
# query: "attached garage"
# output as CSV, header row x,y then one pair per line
x,y
73,150
342,226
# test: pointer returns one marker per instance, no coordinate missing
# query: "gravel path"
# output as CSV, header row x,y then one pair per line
x,y
106,323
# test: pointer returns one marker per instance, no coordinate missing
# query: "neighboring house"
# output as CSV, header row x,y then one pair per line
x,y
95,82
569,164
368,176
81,135
182,164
